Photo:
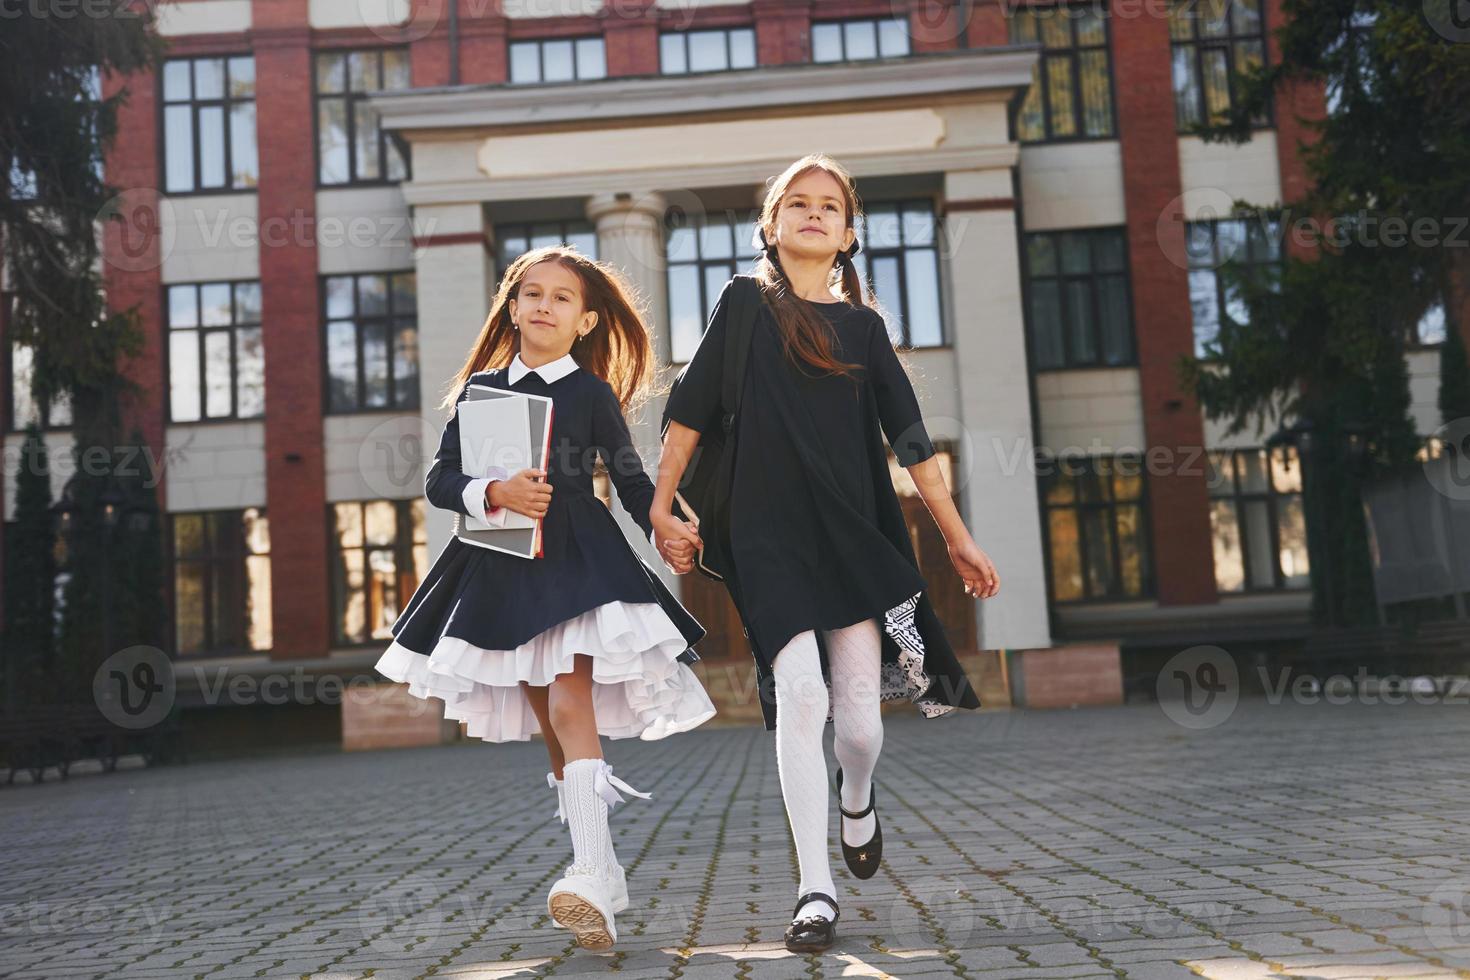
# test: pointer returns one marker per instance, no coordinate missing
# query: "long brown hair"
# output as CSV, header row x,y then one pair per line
x,y
617,349
805,336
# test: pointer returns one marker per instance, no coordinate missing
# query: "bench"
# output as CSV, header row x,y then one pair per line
x,y
56,736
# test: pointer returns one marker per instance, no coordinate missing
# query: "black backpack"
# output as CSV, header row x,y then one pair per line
x,y
703,494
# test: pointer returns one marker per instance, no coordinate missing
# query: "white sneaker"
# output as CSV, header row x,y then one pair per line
x,y
584,903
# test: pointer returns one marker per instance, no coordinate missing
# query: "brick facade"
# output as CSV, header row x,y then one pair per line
x,y
295,469
1178,498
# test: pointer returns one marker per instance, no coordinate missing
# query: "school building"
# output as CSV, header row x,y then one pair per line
x,y
321,193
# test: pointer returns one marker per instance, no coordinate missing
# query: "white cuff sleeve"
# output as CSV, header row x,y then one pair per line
x,y
474,502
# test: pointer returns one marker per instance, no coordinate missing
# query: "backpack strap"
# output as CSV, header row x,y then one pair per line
x,y
745,303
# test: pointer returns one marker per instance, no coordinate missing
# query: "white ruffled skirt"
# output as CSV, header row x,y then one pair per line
x,y
639,686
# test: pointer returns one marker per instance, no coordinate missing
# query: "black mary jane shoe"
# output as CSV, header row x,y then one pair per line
x,y
862,860
812,933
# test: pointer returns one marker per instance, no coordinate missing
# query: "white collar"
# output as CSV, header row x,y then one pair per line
x,y
552,371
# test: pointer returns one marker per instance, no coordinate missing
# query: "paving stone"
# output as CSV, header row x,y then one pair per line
x,y
1047,845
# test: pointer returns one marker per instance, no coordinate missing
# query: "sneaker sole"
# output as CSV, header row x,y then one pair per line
x,y
587,924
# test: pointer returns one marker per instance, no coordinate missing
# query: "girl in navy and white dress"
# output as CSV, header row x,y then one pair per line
x,y
584,640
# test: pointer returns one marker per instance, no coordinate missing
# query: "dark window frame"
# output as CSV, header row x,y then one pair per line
x,y
1072,54
727,32
1091,276
738,222
540,45
402,550
349,97
1108,504
211,559
390,317
226,103
528,230
1214,264
199,329
870,252
1239,497
44,422
843,22
1198,44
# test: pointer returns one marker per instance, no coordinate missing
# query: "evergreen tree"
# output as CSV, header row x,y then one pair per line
x,y
28,642
1325,341
55,128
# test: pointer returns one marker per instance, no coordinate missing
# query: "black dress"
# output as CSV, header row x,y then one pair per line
x,y
483,621
818,539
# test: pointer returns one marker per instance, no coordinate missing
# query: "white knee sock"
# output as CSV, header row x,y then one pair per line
x,y
586,812
854,656
801,715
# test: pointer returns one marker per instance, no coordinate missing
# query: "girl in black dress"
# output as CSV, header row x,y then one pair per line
x,y
585,640
823,572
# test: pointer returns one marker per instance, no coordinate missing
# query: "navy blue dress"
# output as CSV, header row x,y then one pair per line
x,y
587,561
483,621
818,539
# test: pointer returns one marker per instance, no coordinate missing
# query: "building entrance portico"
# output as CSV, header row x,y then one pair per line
x,y
632,160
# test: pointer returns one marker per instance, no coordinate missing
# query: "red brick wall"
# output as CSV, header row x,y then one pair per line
x,y
295,471
1178,498
783,31
631,38
987,26
934,25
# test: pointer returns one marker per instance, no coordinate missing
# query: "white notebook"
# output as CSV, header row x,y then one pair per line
x,y
511,430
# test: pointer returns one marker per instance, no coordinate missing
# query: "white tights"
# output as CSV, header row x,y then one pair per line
x,y
853,657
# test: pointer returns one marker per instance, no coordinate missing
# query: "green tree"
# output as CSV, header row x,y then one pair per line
x,y
29,626
55,128
1382,227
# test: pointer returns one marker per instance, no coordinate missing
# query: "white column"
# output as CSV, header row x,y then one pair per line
x,y
630,235
995,470
454,275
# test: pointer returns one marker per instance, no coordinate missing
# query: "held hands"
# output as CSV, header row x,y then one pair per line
x,y
526,493
677,541
975,567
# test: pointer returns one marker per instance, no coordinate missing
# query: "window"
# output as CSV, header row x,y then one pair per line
x,y
1071,93
209,124
901,263
216,362
1253,245
561,60
1260,531
24,407
372,342
722,50
1097,528
701,256
222,582
1215,42
381,554
1077,284
860,40
512,240
350,147
1430,330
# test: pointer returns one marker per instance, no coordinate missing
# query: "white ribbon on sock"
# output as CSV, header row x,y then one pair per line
x,y
554,783
607,786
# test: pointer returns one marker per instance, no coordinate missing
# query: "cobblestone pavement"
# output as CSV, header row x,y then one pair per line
x,y
1300,841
